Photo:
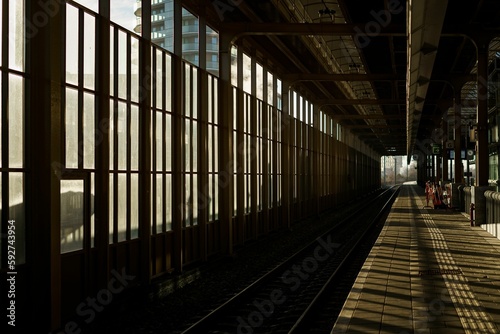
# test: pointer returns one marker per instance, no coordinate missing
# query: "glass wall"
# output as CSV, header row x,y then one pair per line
x,y
12,120
161,145
124,136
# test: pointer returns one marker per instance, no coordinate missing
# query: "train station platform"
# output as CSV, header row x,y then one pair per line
x,y
429,272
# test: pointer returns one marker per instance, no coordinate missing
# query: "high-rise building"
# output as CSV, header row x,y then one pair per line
x,y
162,32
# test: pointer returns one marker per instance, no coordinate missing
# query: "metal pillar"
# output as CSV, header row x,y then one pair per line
x,y
45,114
482,118
444,151
459,168
178,141
226,162
285,154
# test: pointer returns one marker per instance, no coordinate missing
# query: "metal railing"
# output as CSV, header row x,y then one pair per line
x,y
492,213
468,198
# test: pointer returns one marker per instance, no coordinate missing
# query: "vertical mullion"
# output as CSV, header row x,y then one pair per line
x,y
129,137
164,140
5,136
80,87
191,134
115,134
154,136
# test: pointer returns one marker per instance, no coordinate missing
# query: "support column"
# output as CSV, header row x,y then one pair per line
x,y
178,140
254,152
226,162
459,169
241,195
285,154
433,168
203,186
444,151
266,133
316,188
44,113
145,73
102,150
482,118
482,159
482,137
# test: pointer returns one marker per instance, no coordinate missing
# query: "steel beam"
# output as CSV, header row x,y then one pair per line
x,y
330,29
337,102
374,126
370,116
343,77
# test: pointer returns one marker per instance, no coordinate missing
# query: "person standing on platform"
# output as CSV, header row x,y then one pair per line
x,y
438,196
428,192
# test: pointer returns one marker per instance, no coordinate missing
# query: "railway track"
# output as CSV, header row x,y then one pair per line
x,y
285,299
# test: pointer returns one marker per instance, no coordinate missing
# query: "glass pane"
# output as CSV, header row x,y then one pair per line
x,y
122,136
195,92
159,80
162,23
88,131
168,82
134,206
259,81
209,198
122,64
270,88
236,115
247,74
111,61
159,203
168,143
153,136
89,52
111,135
187,90
194,145
216,101
1,129
209,149
16,35
1,201
159,141
190,45
235,201
134,137
1,23
71,45
72,215
187,145
111,207
126,14
234,66
152,210
188,214
134,68
168,201
122,207
90,4
16,121
210,99
216,149
71,128
92,216
212,51
194,201
17,213
216,197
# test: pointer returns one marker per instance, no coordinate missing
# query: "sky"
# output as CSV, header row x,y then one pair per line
x,y
122,11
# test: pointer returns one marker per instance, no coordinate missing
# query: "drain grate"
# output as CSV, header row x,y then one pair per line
x,y
440,272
